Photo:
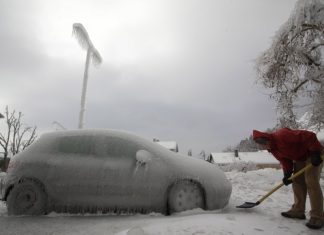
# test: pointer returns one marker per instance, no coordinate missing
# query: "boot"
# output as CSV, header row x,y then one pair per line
x,y
315,223
293,215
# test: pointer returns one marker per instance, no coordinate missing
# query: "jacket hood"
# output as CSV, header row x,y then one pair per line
x,y
259,134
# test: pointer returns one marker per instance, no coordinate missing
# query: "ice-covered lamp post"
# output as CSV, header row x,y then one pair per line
x,y
82,36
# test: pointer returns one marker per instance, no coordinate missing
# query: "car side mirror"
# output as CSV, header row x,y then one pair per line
x,y
143,157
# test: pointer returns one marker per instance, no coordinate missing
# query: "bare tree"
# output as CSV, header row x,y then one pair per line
x,y
202,154
17,136
293,67
317,117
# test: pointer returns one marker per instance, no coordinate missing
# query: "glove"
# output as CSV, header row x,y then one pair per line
x,y
286,181
316,158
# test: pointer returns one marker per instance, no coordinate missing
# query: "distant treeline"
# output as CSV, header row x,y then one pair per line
x,y
246,145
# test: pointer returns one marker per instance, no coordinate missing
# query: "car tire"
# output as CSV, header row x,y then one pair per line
x,y
185,195
27,198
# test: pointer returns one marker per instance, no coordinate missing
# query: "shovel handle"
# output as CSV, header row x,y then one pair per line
x,y
298,173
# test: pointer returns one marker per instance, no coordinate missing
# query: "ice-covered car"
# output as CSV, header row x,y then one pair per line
x,y
109,171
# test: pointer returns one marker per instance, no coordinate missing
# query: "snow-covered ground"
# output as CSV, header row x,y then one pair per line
x,y
250,186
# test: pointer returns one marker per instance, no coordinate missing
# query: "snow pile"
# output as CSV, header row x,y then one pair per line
x,y
239,166
263,219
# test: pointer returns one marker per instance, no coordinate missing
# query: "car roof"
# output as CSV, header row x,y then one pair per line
x,y
102,133
99,132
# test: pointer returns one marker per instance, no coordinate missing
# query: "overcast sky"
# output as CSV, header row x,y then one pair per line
x,y
179,70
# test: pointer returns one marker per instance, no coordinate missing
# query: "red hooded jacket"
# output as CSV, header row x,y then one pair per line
x,y
290,145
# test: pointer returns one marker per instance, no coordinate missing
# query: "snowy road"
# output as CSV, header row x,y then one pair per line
x,y
263,219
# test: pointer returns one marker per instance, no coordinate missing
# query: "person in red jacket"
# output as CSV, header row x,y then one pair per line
x,y
294,149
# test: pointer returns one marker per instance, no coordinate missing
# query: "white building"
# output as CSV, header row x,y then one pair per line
x,y
244,160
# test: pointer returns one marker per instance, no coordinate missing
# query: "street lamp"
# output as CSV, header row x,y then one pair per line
x,y
83,38
1,116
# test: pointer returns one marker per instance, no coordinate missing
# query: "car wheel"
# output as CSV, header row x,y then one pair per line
x,y
185,195
27,198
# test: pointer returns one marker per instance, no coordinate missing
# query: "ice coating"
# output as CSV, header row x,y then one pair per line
x,y
111,169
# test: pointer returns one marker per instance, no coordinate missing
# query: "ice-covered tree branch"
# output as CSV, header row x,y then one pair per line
x,y
293,67
16,136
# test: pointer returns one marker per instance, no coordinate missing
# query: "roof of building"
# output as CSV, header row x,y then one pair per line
x,y
261,157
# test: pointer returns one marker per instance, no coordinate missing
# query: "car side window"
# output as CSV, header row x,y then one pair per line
x,y
84,145
120,148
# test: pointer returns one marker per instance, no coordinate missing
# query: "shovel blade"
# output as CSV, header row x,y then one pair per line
x,y
248,205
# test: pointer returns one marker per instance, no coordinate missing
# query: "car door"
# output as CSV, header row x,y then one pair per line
x,y
126,182
151,178
73,175
118,163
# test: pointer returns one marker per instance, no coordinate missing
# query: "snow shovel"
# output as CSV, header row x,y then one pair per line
x,y
248,205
